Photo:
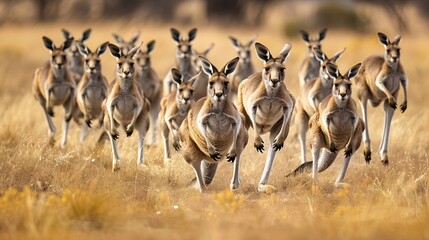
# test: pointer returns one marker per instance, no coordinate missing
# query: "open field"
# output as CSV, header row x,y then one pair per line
x,y
71,193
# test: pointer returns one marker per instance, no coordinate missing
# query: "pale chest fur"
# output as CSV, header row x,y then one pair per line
x,y
218,130
268,112
340,127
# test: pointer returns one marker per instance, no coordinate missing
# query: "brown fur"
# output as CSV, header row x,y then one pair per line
x,y
310,65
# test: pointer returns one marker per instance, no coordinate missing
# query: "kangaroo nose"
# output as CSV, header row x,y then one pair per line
x,y
343,95
219,94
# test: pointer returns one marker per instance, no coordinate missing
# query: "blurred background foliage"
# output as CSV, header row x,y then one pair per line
x,y
290,15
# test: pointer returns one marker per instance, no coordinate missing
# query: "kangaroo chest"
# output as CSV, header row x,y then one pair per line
x,y
219,128
125,106
340,127
60,92
95,94
268,112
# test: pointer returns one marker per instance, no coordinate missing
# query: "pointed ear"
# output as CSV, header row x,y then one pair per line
x,y
305,36
192,34
118,38
353,71
133,52
176,76
102,48
150,46
337,55
263,52
235,41
115,51
383,39
252,40
83,50
285,52
135,38
66,34
333,70
208,67
230,66
320,56
397,39
48,43
175,34
67,43
322,34
85,35
206,52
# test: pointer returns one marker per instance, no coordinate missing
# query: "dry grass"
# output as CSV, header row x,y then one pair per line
x,y
53,193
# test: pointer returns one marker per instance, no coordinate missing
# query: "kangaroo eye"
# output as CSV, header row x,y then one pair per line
x,y
336,85
266,69
120,64
282,69
211,84
226,83
180,90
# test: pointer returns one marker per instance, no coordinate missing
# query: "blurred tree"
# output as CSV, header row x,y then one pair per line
x,y
395,9
47,9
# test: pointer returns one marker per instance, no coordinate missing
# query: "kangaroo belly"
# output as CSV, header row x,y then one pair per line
x,y
124,110
60,94
219,133
268,114
93,100
341,128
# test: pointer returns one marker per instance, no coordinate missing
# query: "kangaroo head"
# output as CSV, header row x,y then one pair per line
x,y
143,56
392,49
126,46
243,50
313,43
73,51
185,88
184,47
273,72
195,58
218,85
324,60
342,88
92,63
58,55
124,62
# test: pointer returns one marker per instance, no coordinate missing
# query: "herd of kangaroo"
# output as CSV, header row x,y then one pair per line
x,y
208,112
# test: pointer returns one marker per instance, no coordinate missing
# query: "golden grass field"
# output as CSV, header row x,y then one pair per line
x,y
49,192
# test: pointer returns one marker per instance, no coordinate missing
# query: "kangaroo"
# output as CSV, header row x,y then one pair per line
x,y
310,66
335,126
183,58
126,105
377,81
245,66
92,89
174,108
126,46
213,129
267,105
74,59
312,93
53,85
151,85
200,89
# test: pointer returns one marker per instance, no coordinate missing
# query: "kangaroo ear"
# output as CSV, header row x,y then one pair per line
x,y
337,55
102,48
175,34
83,50
135,38
320,56
397,39
85,35
208,67
192,34
115,51
206,52
263,52
333,70
305,36
118,38
133,52
66,34
67,43
48,43
176,76
252,40
235,41
230,66
285,51
150,46
383,39
322,34
353,71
